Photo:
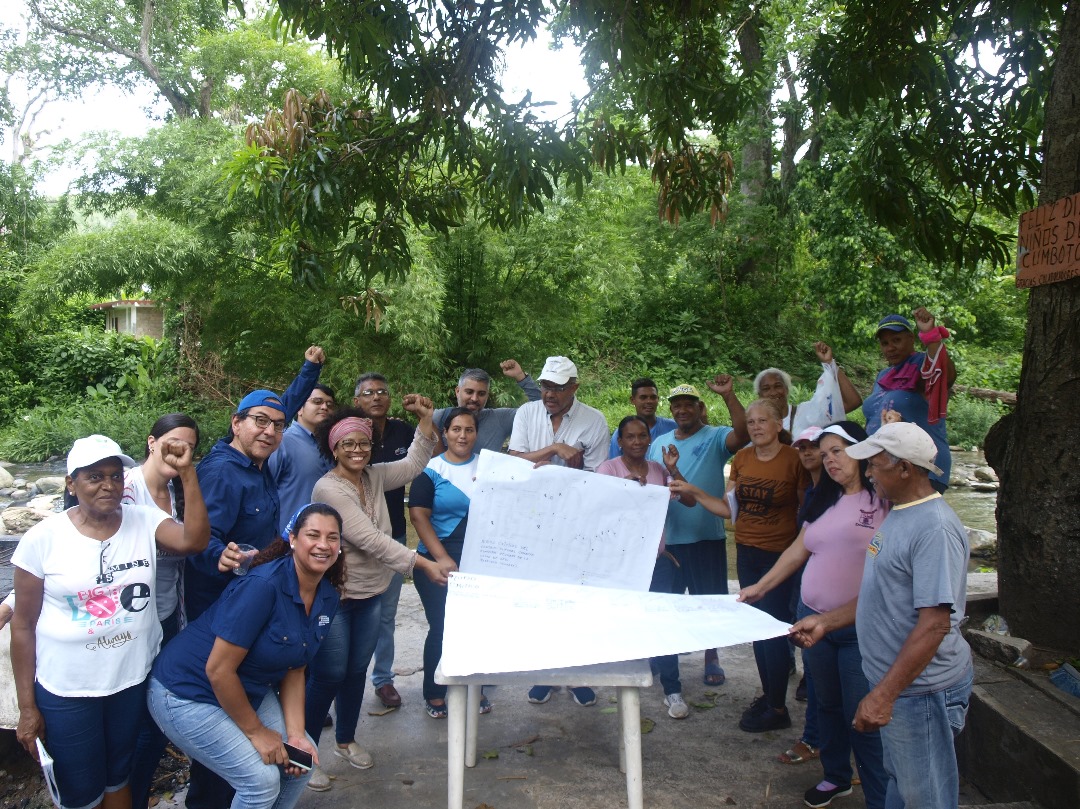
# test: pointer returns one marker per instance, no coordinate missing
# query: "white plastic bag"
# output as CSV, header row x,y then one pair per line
x,y
825,407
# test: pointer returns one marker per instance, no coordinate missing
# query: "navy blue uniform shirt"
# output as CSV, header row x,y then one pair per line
x,y
261,612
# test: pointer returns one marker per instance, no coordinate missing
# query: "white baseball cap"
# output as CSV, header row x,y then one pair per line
x,y
558,370
88,451
905,440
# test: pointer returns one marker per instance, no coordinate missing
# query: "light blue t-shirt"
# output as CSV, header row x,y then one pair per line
x,y
446,488
661,427
918,558
702,457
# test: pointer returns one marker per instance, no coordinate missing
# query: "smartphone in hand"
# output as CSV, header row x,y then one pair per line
x,y
298,758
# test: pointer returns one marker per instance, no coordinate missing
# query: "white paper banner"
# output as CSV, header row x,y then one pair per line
x,y
499,624
564,525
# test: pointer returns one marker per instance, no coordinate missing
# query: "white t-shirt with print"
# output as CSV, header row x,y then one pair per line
x,y
98,630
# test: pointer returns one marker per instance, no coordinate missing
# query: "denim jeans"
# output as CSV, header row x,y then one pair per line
x,y
91,741
835,667
382,670
918,744
667,666
339,670
772,655
151,742
433,597
207,734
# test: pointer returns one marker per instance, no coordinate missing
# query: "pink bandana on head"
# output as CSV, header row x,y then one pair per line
x,y
346,426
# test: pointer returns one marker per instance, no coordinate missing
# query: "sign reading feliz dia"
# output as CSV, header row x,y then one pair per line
x,y
1048,243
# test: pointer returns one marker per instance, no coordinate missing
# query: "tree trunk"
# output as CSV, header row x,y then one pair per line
x,y
1035,449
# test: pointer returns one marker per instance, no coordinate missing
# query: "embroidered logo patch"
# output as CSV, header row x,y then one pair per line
x,y
875,545
324,620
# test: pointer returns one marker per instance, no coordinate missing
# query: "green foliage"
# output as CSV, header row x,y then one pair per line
x,y
64,364
970,420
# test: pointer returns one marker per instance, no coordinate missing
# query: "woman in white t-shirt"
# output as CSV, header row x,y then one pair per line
x,y
86,628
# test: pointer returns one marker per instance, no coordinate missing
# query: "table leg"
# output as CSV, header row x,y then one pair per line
x,y
456,700
472,724
630,714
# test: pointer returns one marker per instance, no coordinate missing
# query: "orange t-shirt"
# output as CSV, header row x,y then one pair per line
x,y
768,495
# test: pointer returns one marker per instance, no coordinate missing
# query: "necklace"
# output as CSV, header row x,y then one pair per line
x,y
635,474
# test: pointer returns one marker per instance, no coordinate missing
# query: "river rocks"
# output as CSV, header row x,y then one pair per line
x,y
957,480
20,519
984,487
985,474
982,543
6,480
19,495
49,503
19,483
50,485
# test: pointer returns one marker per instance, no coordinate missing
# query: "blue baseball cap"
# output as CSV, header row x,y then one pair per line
x,y
895,323
261,398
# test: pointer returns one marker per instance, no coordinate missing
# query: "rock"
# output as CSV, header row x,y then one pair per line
x,y
19,519
999,648
985,473
46,502
19,495
982,543
6,480
53,484
984,487
957,481
6,491
19,483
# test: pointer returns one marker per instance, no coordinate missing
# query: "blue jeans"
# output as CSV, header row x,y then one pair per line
x,y
207,734
91,741
834,666
667,666
151,743
918,744
433,597
339,670
382,671
772,655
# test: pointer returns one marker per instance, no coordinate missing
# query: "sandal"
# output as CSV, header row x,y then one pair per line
x,y
714,675
435,711
799,753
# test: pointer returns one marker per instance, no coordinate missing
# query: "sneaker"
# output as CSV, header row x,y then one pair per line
x,y
583,696
539,694
757,707
319,781
823,794
800,690
676,706
769,720
356,755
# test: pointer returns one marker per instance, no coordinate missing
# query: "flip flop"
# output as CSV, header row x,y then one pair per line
x,y
714,675
435,711
799,753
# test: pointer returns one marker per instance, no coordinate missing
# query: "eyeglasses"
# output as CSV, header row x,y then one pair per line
x,y
314,400
367,394
547,387
262,422
349,445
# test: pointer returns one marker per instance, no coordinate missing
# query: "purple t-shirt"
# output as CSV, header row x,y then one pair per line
x,y
837,541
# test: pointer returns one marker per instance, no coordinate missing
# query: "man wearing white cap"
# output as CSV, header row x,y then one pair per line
x,y
907,619
559,429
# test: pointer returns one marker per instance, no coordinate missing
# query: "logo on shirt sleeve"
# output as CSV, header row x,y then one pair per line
x,y
874,547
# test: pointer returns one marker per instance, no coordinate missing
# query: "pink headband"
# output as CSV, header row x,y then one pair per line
x,y
346,426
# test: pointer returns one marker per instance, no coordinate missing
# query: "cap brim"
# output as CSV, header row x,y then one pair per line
x,y
893,327
556,378
864,449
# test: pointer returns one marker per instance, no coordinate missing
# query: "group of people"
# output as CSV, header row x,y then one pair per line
x,y
269,575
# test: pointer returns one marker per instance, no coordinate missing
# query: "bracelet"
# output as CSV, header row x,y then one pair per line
x,y
935,335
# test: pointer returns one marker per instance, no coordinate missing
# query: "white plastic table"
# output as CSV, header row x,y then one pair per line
x,y
463,706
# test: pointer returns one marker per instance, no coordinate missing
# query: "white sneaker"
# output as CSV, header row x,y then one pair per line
x,y
355,755
676,706
319,781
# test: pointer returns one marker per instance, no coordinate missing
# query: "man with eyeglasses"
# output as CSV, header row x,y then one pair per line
x,y
297,464
243,506
372,395
493,424
559,429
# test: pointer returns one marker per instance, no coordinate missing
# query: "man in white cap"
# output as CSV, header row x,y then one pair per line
x,y
559,429
907,618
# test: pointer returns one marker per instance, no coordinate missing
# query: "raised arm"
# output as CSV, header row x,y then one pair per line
x,y
724,386
927,326
849,395
528,385
194,534
300,388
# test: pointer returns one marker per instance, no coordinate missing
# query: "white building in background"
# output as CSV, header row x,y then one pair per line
x,y
141,318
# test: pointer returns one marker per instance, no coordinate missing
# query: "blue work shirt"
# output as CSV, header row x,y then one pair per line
x,y
662,427
261,612
241,502
295,466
